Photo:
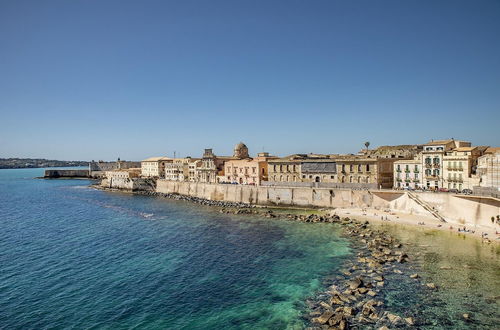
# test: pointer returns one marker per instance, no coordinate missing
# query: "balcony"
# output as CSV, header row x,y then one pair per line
x,y
453,168
436,165
416,180
407,171
432,177
428,165
407,180
398,170
398,179
416,171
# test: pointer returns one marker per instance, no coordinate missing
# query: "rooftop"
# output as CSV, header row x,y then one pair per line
x,y
155,159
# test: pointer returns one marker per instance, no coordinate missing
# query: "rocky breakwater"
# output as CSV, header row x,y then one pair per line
x,y
355,299
201,201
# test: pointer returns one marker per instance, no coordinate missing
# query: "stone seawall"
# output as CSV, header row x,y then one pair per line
x,y
134,184
465,210
66,174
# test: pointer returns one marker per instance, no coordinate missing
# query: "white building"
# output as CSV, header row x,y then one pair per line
x,y
408,173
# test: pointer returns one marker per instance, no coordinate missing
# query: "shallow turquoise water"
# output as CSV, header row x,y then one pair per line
x,y
75,257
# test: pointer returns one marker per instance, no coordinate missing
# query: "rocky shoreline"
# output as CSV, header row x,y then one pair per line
x,y
355,298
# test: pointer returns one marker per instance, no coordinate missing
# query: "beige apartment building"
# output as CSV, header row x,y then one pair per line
x,y
433,160
178,169
154,167
377,172
459,167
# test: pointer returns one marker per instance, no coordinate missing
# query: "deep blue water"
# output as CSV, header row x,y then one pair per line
x,y
75,257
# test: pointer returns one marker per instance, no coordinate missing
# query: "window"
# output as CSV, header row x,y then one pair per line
x,y
359,168
303,176
368,167
427,160
332,177
351,168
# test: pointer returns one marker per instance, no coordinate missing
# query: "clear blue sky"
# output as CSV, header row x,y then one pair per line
x,y
102,79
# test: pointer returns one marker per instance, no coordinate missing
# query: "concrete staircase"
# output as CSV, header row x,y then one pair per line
x,y
426,206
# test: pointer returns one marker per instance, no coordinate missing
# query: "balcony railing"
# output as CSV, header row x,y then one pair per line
x,y
428,165
453,168
407,171
432,177
398,170
436,165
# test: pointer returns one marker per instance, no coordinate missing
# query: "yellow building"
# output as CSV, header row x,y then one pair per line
x,y
459,167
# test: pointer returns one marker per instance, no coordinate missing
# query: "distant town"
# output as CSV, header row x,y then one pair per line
x,y
438,165
37,163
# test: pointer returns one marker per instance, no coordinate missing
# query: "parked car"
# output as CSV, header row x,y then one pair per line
x,y
453,191
443,190
467,191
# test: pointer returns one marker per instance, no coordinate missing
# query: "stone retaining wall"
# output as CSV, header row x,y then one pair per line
x,y
454,208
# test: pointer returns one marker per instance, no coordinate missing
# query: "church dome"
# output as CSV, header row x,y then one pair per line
x,y
241,150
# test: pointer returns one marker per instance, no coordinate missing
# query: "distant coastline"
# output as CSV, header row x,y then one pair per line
x,y
12,163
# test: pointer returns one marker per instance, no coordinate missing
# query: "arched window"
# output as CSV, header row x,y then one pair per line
x,y
359,168
368,167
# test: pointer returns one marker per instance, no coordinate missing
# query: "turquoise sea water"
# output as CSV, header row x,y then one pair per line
x,y
75,257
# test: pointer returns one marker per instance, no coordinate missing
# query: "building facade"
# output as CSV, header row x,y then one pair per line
x,y
123,174
433,160
488,170
247,171
154,167
211,168
460,167
178,169
318,171
286,169
408,173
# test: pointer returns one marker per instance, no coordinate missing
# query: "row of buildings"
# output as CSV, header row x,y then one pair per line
x,y
450,164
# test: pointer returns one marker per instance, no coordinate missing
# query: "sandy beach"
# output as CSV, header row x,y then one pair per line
x,y
428,222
